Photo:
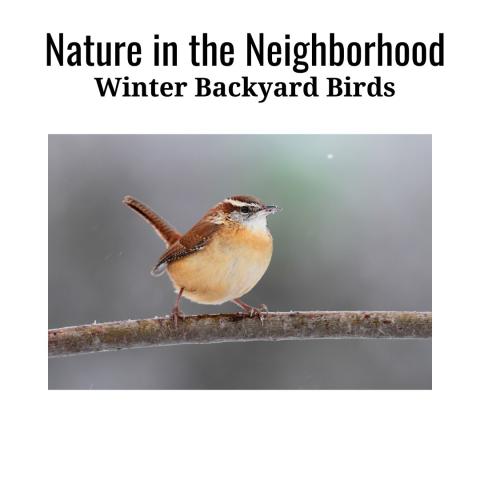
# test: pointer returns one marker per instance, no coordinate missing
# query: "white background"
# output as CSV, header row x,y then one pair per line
x,y
238,434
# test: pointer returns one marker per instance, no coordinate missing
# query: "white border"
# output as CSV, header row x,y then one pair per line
x,y
239,434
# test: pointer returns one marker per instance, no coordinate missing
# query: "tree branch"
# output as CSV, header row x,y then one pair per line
x,y
237,328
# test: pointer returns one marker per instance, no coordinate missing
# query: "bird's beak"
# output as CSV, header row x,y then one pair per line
x,y
269,209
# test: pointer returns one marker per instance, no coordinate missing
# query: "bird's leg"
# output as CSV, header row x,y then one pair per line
x,y
246,307
176,313
251,311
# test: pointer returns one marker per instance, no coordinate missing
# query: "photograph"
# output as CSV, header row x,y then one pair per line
x,y
240,261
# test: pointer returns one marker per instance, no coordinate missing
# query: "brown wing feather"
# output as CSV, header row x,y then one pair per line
x,y
193,241
165,231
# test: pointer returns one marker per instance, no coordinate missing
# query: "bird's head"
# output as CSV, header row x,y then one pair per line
x,y
245,210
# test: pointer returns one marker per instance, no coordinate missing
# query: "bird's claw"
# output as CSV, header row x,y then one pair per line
x,y
263,308
176,315
251,312
260,312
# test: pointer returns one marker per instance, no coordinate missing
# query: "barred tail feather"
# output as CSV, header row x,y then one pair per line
x,y
166,232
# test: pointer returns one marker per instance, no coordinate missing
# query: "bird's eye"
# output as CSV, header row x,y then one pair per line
x,y
244,209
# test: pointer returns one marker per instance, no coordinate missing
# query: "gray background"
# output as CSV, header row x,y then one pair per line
x,y
355,233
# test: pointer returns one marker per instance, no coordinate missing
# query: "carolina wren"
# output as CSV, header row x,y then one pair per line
x,y
221,258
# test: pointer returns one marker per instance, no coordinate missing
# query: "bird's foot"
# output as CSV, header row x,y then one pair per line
x,y
176,315
261,312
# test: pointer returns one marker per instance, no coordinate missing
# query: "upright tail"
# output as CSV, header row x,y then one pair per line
x,y
166,232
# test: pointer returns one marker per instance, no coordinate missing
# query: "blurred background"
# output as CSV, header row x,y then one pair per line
x,y
355,234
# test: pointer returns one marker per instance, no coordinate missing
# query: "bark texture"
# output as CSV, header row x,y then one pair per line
x,y
237,328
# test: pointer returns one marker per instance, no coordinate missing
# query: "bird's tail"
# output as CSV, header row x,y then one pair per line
x,y
166,232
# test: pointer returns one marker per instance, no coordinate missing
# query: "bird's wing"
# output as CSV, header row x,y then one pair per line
x,y
194,240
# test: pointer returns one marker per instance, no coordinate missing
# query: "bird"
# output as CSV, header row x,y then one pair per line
x,y
221,258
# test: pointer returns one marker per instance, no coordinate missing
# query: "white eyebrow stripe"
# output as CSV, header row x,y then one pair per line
x,y
238,203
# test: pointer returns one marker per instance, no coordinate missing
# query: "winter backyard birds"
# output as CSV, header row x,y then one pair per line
x,y
221,258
